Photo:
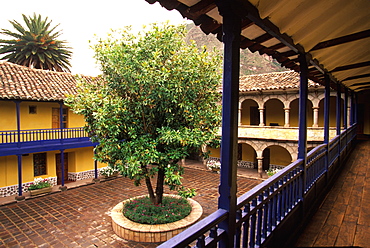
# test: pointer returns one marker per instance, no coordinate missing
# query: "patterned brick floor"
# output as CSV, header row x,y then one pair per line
x,y
344,218
80,217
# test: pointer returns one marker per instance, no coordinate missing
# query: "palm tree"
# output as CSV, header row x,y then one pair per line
x,y
36,46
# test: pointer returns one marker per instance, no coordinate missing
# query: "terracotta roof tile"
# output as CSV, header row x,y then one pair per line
x,y
272,81
20,82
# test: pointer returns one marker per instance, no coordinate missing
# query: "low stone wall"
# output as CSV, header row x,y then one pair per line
x,y
133,231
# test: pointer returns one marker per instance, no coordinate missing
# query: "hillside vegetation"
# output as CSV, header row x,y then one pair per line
x,y
250,63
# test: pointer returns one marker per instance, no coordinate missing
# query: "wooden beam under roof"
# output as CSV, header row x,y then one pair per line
x,y
342,40
356,77
352,66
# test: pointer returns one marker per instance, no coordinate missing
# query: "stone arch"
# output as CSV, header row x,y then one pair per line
x,y
294,113
332,112
274,112
247,156
249,112
276,156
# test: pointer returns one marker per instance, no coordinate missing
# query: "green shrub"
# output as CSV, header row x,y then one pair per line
x,y
142,210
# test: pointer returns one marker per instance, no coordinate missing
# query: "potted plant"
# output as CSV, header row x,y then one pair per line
x,y
272,172
214,165
39,186
109,171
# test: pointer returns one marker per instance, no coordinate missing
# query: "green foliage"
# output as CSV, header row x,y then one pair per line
x,y
36,45
158,103
39,183
142,210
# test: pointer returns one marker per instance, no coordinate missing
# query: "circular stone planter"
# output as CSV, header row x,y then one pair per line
x,y
133,231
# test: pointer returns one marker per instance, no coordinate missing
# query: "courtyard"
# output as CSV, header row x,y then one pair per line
x,y
80,216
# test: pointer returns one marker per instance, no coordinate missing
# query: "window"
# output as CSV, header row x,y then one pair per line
x,y
39,164
32,109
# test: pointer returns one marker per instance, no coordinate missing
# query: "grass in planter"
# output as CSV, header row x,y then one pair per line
x,y
143,211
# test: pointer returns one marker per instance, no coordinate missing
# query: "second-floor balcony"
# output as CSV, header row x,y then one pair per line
x,y
26,141
282,133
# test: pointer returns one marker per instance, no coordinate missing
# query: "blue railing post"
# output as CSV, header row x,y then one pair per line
x,y
302,132
230,98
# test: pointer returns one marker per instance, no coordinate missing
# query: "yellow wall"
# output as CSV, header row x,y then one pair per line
x,y
274,112
245,116
79,160
248,153
214,152
42,119
8,116
279,156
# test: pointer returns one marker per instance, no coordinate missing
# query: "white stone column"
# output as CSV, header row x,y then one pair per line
x,y
349,115
240,116
260,165
287,115
315,116
262,121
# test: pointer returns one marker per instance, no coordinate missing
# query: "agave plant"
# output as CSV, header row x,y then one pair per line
x,y
36,46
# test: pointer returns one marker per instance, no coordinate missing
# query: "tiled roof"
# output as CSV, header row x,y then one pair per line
x,y
272,81
23,83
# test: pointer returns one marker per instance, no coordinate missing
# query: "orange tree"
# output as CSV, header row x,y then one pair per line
x,y
157,103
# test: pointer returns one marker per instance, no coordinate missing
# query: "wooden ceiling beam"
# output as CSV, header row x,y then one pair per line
x,y
342,40
201,8
356,77
352,66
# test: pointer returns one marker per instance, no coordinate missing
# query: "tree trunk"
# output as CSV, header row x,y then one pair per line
x,y
159,189
149,186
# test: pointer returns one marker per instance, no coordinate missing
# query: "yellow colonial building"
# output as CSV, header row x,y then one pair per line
x,y
39,135
268,119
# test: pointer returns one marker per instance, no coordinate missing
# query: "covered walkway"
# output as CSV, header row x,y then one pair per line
x,y
343,219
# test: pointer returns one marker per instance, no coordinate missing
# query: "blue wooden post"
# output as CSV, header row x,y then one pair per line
x,y
230,98
62,187
326,109
338,110
326,120
345,108
20,197
95,165
352,115
62,164
61,120
18,116
302,132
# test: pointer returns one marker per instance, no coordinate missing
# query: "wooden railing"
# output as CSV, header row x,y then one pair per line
x,y
14,136
264,209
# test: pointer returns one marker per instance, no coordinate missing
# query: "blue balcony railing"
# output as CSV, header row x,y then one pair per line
x,y
13,136
264,209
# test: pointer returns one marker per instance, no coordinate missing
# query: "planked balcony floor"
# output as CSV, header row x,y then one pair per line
x,y
343,219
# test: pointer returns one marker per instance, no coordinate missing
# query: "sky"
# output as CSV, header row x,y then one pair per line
x,y
80,20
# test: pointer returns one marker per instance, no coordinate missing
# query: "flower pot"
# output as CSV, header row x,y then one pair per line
x,y
34,192
216,170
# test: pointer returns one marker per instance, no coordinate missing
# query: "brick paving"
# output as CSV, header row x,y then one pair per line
x,y
343,219
79,217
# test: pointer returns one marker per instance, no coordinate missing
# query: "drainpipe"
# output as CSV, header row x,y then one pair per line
x,y
230,97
